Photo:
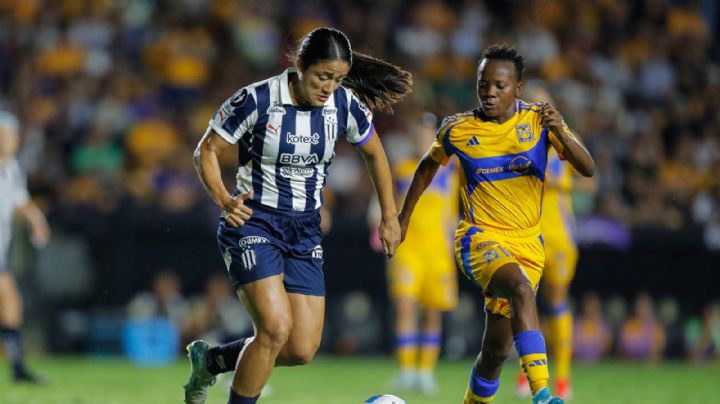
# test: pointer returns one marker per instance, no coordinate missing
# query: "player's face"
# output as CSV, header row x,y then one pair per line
x,y
9,141
318,81
498,88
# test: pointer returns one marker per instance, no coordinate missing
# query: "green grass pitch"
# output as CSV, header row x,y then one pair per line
x,y
332,380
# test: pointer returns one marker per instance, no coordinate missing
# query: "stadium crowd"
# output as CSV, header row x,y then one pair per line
x,y
114,95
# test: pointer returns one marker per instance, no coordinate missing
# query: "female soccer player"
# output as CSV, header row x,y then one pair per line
x,y
502,147
421,277
14,201
269,234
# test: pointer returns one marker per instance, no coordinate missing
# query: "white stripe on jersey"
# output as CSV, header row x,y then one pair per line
x,y
273,132
303,129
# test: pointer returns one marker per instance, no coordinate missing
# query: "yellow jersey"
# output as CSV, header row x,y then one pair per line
x,y
503,165
435,214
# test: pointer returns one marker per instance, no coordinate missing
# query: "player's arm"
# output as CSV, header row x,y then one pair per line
x,y
207,165
422,178
379,169
39,228
568,146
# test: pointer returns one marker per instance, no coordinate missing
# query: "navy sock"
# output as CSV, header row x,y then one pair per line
x,y
223,358
13,347
238,399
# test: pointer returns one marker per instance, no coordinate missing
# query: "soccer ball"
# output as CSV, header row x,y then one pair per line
x,y
384,399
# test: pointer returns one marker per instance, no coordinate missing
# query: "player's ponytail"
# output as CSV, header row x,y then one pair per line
x,y
376,83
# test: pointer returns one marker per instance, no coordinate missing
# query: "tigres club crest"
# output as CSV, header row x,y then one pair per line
x,y
524,133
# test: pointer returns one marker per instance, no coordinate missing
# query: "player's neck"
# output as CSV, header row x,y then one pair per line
x,y
296,93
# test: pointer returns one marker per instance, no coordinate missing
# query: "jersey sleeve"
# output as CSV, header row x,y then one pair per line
x,y
236,116
360,127
555,142
437,151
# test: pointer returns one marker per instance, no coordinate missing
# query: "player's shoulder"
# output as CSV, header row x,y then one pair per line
x,y
248,97
347,96
454,120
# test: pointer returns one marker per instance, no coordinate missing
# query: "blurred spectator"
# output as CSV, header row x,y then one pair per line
x,y
163,301
702,335
217,317
592,336
356,324
115,95
642,335
669,316
122,87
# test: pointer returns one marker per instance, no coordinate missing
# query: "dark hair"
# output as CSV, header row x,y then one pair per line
x,y
506,52
376,83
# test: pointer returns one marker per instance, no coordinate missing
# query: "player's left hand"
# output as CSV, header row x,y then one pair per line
x,y
550,118
390,235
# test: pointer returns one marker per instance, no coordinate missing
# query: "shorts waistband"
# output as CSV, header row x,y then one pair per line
x,y
293,214
515,233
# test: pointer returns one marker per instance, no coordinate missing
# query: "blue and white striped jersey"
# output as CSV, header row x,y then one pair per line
x,y
285,150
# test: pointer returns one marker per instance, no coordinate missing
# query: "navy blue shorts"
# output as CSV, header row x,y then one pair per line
x,y
274,242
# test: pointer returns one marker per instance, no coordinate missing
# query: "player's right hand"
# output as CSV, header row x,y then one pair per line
x,y
234,210
390,236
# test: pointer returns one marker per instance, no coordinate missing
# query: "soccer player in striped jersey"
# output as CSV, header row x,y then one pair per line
x,y
502,147
15,201
269,235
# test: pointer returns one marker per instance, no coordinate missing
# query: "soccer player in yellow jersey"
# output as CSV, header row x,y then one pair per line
x,y
502,147
422,273
561,254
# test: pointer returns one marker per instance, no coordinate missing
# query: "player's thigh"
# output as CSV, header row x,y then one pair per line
x,y
305,283
268,304
308,314
10,301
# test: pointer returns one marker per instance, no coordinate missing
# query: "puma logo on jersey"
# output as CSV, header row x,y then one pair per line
x,y
274,129
473,142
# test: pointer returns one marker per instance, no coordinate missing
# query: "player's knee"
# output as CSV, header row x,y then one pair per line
x,y
274,334
520,290
301,357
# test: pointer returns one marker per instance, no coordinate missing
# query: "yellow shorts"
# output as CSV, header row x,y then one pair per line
x,y
561,256
425,274
480,252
